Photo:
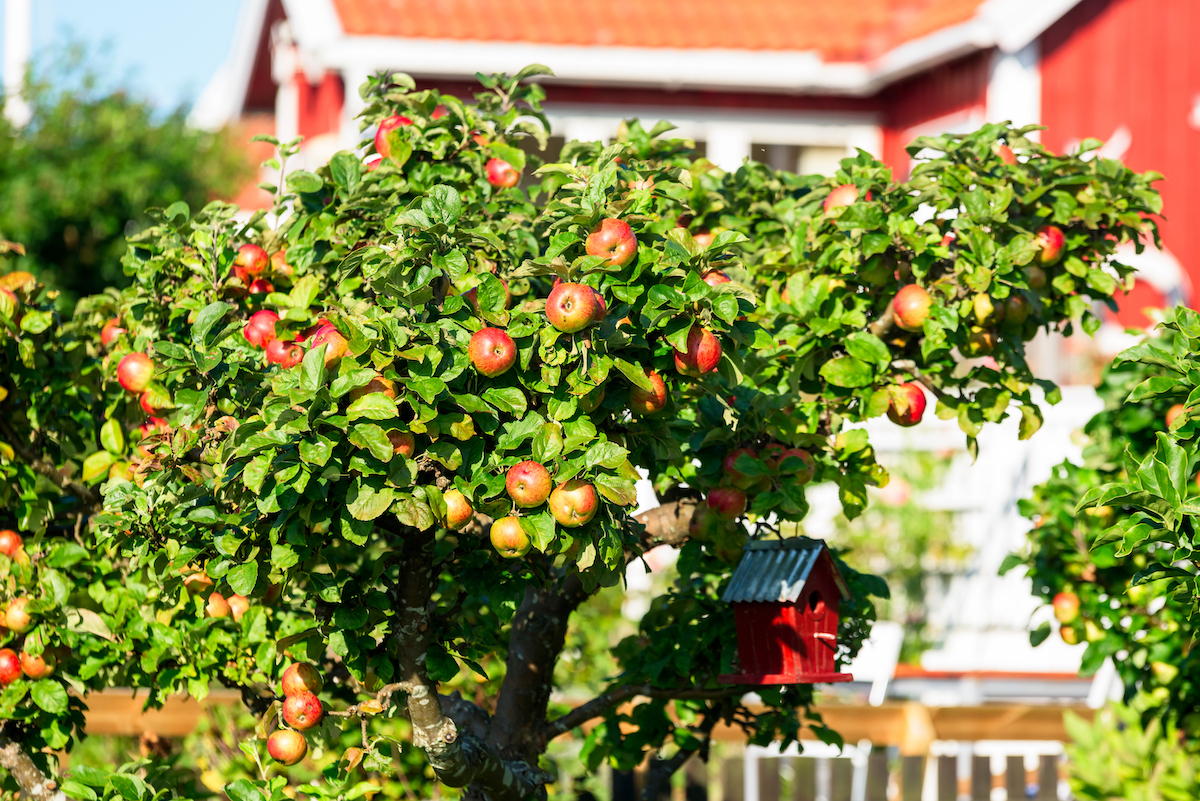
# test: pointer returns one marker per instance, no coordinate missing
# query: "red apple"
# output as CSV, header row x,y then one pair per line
x,y
38,667
1006,155
727,502
731,472
703,353
10,542
111,330
382,146
302,711
16,617
1066,607
261,286
286,746
286,354
770,454
798,463
648,402
614,240
336,344
134,372
300,677
1174,412
251,260
909,410
601,308
196,583
571,307
403,443
502,174
842,195
146,401
910,307
1050,242
373,161
378,384
574,503
703,238
528,484
238,606
217,606
279,264
10,666
492,351
509,539
260,329
716,278
458,509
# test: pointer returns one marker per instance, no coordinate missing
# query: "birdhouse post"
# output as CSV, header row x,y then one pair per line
x,y
785,596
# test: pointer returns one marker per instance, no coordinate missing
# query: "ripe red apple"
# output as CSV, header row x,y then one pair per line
x,y
911,408
842,195
574,503
238,606
134,372
703,238
799,463
502,174
301,677
703,353
16,617
1050,242
111,330
217,605
1036,277
279,264
382,146
260,329
1174,412
38,667
196,583
910,307
377,384
302,711
770,454
492,351
373,161
649,402
716,278
10,542
286,746
403,443
1006,155
336,344
571,307
601,308
458,509
261,286
285,354
727,502
528,484
509,539
10,666
1066,607
251,260
614,240
146,401
731,472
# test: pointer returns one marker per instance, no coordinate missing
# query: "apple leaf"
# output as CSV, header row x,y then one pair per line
x,y
97,465
367,502
847,371
541,529
372,438
243,578
507,399
636,375
375,406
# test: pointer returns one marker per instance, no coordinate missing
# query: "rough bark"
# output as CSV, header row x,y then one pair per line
x,y
667,524
33,783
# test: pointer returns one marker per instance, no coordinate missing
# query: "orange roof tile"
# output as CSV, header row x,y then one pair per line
x,y
849,30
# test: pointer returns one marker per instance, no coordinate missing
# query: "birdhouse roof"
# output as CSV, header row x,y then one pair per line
x,y
777,570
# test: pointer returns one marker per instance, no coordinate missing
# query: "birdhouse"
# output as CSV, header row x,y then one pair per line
x,y
785,596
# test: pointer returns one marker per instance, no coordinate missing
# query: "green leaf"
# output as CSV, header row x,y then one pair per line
x,y
847,371
50,696
869,348
367,502
208,317
372,438
541,529
506,399
304,181
312,369
346,170
244,790
112,437
1039,635
97,465
373,406
443,204
636,375
547,443
243,578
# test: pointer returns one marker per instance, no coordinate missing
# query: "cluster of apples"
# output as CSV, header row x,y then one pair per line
x,y
252,265
573,503
499,172
219,606
17,619
301,711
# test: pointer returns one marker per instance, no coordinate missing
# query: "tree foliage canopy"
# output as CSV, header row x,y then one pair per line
x,y
282,485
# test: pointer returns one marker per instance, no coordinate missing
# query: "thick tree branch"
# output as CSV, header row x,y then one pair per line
x,y
658,778
884,323
33,783
667,524
910,367
619,695
42,467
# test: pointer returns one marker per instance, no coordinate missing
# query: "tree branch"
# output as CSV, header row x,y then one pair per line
x,y
910,367
661,770
42,467
667,524
885,321
619,695
34,784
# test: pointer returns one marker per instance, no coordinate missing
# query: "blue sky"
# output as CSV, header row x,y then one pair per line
x,y
164,50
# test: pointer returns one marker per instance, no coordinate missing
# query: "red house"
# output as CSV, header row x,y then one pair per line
x,y
795,83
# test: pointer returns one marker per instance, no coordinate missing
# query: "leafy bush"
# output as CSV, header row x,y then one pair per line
x,y
309,512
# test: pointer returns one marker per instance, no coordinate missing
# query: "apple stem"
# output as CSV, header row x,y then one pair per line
x,y
910,367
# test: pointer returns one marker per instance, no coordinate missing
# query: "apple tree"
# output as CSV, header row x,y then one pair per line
x,y
1111,546
363,458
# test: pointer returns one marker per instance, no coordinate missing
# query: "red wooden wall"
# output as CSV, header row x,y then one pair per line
x,y
1133,63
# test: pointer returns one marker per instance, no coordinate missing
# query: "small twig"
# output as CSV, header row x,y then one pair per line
x,y
884,323
910,367
602,703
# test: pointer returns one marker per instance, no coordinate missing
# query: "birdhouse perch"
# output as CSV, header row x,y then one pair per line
x,y
785,596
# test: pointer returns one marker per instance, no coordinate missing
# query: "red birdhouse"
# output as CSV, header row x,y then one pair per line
x,y
785,596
